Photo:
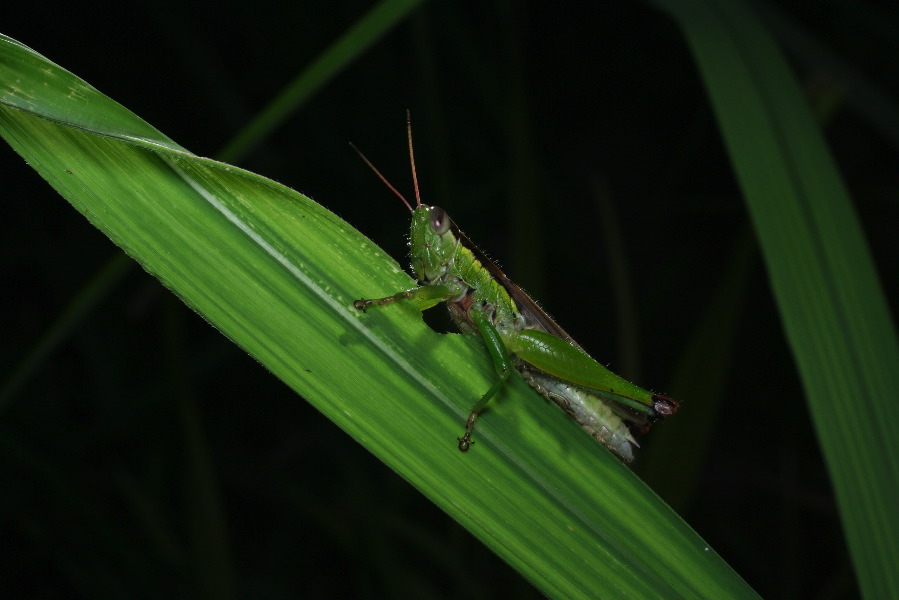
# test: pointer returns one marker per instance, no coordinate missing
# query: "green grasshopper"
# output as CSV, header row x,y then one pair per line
x,y
516,331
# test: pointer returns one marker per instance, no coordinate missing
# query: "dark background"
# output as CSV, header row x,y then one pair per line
x,y
532,122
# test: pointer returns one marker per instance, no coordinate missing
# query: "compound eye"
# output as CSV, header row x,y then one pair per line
x,y
440,221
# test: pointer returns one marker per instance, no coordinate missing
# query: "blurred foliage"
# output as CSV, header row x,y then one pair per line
x,y
519,110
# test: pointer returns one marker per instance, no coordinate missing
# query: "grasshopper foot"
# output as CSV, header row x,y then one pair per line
x,y
465,441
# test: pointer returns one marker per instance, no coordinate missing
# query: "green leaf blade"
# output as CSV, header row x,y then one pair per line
x,y
33,84
822,275
277,274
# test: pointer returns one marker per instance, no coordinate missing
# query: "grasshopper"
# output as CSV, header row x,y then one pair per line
x,y
518,334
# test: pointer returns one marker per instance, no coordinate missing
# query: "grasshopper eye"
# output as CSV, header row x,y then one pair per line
x,y
440,221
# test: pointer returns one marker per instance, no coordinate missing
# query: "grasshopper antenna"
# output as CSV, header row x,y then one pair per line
x,y
411,161
412,156
378,173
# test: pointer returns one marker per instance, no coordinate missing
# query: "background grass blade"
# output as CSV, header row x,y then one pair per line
x,y
364,32
141,442
827,290
277,274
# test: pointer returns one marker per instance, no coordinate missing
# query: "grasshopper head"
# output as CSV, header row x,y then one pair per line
x,y
432,240
433,243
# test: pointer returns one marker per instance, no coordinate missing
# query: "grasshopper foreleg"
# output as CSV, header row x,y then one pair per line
x,y
423,297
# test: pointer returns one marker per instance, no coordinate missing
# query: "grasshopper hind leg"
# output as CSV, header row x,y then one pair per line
x,y
502,363
465,441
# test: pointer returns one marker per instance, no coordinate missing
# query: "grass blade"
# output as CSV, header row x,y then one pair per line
x,y
368,29
821,272
277,274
